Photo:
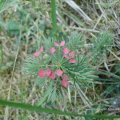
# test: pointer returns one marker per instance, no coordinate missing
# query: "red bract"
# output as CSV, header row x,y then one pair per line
x,y
66,56
36,54
65,77
65,83
72,61
52,75
41,73
52,50
65,51
59,44
41,49
72,54
48,72
59,72
62,43
56,44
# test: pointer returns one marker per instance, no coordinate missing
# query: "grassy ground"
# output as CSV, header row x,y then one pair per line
x,y
22,22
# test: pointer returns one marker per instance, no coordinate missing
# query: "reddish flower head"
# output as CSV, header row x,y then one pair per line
x,y
52,50
72,61
59,72
52,75
41,49
48,72
41,73
66,56
72,54
65,83
61,44
56,44
37,53
65,51
65,77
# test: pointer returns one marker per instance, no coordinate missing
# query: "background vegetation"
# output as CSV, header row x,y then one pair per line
x,y
24,24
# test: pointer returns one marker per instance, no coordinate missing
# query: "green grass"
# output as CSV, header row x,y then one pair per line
x,y
39,109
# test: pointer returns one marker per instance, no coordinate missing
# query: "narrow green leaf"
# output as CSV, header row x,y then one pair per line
x,y
53,16
34,108
1,54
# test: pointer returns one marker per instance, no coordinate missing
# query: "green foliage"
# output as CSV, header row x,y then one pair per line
x,y
101,44
1,54
12,27
76,41
80,73
53,16
117,69
5,4
5,67
2,24
112,82
31,65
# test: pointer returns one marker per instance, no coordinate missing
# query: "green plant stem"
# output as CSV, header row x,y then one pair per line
x,y
34,108
1,54
53,16
38,109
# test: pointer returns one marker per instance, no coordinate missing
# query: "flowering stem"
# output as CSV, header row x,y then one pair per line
x,y
53,16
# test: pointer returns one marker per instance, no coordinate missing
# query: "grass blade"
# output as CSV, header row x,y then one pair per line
x,y
53,16
39,109
34,108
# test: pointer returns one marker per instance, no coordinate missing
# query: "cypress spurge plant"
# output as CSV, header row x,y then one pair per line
x,y
58,67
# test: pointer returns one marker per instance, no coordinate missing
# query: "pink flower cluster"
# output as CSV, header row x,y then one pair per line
x,y
53,74
67,54
37,53
70,55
